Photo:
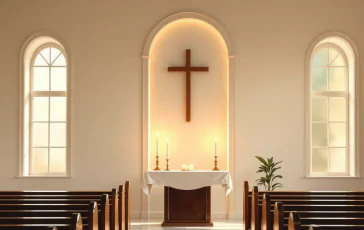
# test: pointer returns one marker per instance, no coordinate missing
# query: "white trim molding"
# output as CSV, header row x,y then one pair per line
x,y
351,52
30,46
230,97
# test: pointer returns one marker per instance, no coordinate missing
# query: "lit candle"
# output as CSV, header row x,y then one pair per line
x,y
167,149
215,146
157,145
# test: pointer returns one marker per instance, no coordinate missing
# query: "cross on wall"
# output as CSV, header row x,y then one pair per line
x,y
188,69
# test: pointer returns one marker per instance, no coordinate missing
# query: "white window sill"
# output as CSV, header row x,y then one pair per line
x,y
44,176
332,177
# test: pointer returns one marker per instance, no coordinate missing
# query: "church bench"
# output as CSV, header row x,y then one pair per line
x,y
55,214
119,214
72,223
294,220
330,210
76,200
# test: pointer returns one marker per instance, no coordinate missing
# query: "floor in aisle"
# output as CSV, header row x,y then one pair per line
x,y
156,225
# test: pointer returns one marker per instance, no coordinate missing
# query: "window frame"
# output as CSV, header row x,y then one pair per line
x,y
331,94
32,95
349,52
29,52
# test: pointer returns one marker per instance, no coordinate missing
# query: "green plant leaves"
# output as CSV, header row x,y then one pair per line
x,y
268,167
262,160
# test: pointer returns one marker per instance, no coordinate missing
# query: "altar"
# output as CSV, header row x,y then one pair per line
x,y
187,194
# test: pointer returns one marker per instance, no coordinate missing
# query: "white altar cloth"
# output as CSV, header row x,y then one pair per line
x,y
187,180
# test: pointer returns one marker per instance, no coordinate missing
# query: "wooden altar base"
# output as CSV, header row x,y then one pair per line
x,y
187,207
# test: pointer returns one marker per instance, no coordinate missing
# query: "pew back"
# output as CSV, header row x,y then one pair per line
x,y
73,223
52,201
336,209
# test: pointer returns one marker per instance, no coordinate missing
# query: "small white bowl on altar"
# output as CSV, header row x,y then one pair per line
x,y
191,167
184,167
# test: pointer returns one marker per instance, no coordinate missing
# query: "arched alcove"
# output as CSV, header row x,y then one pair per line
x,y
165,46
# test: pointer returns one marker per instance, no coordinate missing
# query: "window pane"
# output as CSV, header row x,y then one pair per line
x,y
338,61
321,58
58,79
40,160
40,134
26,140
333,54
57,160
319,109
319,79
40,108
60,61
39,61
41,79
319,134
58,108
338,135
58,134
46,53
337,109
54,54
337,159
319,160
337,79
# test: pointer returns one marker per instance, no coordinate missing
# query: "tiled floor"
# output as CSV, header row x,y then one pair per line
x,y
156,225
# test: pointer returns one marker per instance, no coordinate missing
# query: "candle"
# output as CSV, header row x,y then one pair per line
x,y
215,147
167,149
157,145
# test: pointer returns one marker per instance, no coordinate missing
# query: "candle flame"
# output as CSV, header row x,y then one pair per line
x,y
215,138
157,135
167,139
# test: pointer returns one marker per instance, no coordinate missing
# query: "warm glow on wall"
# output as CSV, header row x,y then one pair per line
x,y
194,142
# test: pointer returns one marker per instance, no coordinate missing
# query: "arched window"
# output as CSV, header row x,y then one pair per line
x,y
45,111
332,109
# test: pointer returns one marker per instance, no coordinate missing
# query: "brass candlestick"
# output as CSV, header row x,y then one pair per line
x,y
157,164
216,168
167,169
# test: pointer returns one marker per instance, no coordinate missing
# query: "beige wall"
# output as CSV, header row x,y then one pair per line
x,y
105,39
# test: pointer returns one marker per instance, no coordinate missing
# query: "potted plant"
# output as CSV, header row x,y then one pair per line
x,y
269,168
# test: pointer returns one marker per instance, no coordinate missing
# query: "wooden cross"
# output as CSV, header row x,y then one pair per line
x,y
188,69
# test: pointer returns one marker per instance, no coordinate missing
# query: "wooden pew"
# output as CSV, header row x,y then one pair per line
x,y
119,203
278,216
57,214
246,207
127,205
329,210
124,206
294,221
73,223
121,207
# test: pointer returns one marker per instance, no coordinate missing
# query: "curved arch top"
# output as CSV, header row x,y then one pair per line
x,y
188,15
332,34
40,38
